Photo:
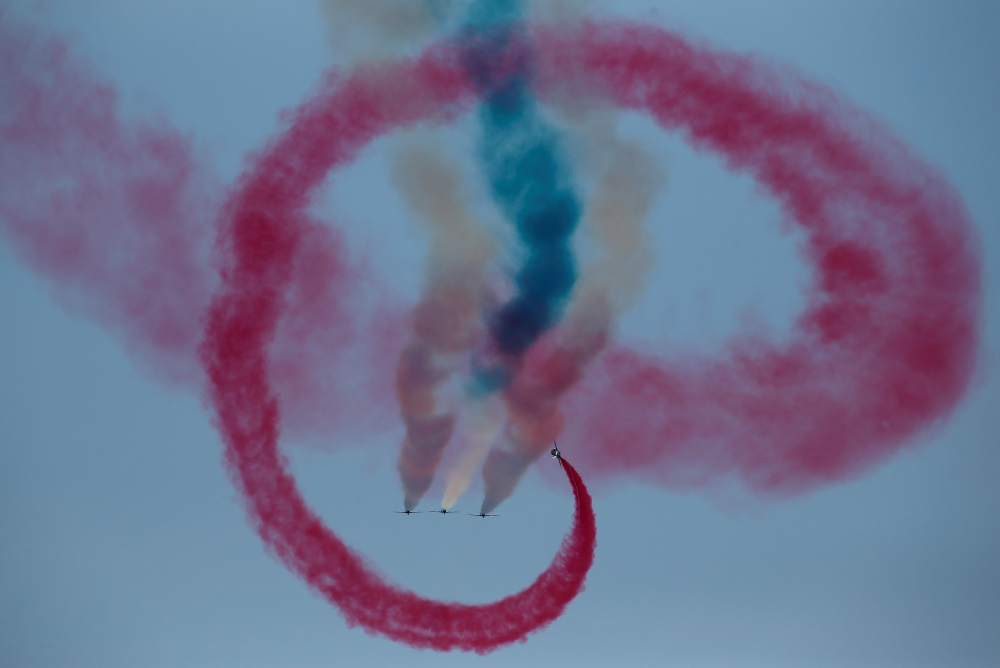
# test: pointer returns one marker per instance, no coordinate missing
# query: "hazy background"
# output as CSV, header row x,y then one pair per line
x,y
122,542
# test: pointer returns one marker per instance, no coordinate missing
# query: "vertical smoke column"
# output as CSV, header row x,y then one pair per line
x,y
527,176
447,320
628,180
532,186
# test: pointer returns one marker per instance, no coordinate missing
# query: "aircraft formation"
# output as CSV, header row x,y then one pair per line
x,y
444,511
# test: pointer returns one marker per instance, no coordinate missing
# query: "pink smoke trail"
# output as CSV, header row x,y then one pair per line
x,y
118,216
121,215
888,341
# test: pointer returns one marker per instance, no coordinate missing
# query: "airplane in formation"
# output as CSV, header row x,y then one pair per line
x,y
555,455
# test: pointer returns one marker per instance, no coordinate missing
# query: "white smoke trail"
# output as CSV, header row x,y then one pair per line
x,y
448,319
363,30
484,419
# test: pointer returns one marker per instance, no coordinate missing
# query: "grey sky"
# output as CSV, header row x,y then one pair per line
x,y
122,543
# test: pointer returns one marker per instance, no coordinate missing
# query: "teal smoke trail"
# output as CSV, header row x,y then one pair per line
x,y
528,178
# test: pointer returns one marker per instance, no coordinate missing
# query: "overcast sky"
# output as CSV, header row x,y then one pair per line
x,y
122,542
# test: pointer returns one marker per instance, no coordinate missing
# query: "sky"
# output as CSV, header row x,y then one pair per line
x,y
124,542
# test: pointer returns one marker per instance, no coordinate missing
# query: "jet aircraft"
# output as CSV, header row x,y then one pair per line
x,y
443,511
483,515
408,512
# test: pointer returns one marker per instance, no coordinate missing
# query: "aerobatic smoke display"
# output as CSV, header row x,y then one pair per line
x,y
242,293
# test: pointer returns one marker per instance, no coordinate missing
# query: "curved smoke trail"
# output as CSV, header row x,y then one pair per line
x,y
889,338
265,230
241,322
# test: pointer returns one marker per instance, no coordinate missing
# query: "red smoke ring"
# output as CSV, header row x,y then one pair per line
x,y
264,229
888,341
893,319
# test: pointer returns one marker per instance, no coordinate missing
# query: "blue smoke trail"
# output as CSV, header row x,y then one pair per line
x,y
531,183
528,179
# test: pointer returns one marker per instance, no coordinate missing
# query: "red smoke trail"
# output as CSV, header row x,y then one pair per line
x,y
261,240
888,340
